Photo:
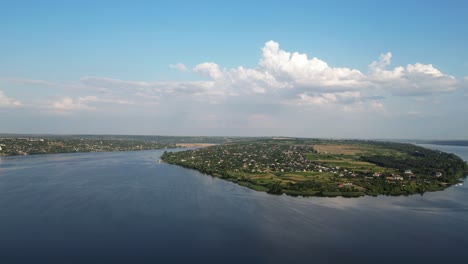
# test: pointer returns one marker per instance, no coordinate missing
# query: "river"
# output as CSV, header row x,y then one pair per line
x,y
125,207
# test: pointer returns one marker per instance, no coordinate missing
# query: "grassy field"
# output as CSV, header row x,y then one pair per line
x,y
348,156
355,149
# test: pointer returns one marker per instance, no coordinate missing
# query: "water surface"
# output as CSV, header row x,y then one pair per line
x,y
126,207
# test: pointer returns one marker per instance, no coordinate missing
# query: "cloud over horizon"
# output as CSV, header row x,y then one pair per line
x,y
6,101
284,76
282,87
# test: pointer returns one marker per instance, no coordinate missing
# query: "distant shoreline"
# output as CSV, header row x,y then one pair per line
x,y
460,143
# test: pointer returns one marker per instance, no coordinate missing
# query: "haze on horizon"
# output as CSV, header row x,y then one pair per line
x,y
303,68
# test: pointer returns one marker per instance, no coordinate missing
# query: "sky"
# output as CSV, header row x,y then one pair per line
x,y
328,69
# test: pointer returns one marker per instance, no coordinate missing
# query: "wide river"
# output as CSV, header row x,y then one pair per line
x,y
125,207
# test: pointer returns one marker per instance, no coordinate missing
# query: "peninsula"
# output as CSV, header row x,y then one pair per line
x,y
315,167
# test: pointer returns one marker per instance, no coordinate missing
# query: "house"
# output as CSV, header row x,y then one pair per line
x,y
377,174
397,178
408,172
438,174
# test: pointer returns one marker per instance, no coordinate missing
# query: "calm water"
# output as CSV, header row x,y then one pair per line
x,y
125,207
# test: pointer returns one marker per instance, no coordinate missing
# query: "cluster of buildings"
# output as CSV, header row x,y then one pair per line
x,y
257,158
408,174
262,158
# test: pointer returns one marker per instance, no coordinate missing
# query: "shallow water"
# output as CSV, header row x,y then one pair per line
x,y
126,207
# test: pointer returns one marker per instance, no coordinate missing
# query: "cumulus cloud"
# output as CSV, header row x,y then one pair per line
x,y
6,101
179,66
67,104
280,78
297,70
379,65
412,80
328,98
209,69
295,77
84,103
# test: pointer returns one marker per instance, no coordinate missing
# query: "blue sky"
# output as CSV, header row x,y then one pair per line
x,y
228,68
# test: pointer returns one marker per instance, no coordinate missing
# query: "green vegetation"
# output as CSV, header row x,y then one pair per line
x,y
312,167
14,144
30,145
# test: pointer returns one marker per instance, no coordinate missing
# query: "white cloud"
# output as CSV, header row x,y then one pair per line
x,y
83,103
328,98
312,81
378,66
67,104
6,101
209,69
111,84
412,80
281,78
179,66
297,70
89,99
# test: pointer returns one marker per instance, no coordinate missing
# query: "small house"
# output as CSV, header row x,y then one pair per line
x,y
397,178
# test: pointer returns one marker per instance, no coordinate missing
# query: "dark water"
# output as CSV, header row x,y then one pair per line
x,y
124,207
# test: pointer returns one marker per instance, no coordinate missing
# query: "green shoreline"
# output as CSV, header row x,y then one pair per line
x,y
327,184
319,193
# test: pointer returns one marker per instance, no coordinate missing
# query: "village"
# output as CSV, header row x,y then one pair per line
x,y
295,165
267,158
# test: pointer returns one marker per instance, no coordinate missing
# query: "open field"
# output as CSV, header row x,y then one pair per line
x,y
194,145
339,149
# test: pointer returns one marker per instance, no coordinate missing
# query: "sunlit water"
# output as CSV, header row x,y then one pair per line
x,y
126,207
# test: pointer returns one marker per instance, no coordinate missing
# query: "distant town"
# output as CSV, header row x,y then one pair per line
x,y
37,145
